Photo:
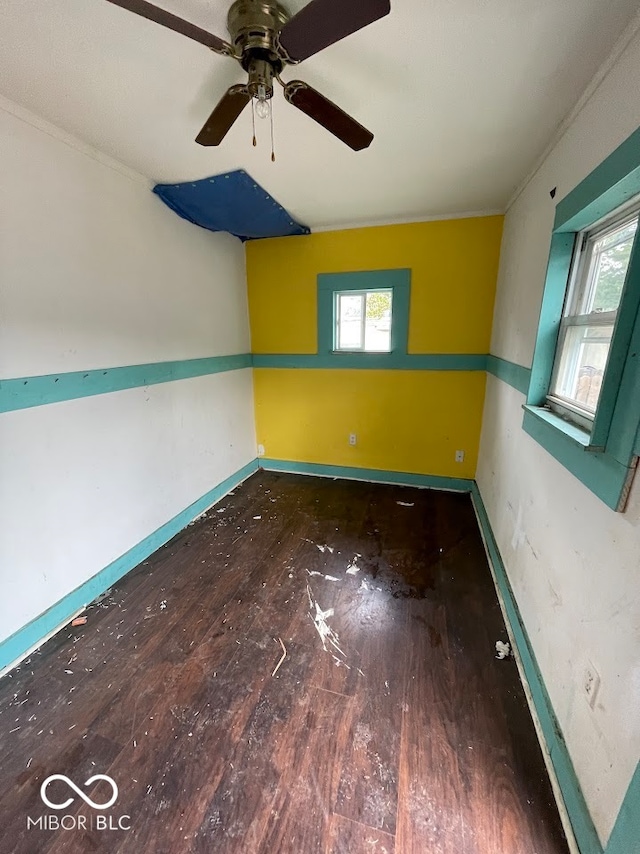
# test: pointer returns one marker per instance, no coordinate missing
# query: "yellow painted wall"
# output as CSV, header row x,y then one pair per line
x,y
406,421
454,266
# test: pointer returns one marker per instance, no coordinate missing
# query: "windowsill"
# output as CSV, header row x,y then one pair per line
x,y
572,431
599,471
362,352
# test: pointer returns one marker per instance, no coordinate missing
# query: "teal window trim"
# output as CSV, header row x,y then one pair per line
x,y
600,472
398,281
605,459
555,286
611,184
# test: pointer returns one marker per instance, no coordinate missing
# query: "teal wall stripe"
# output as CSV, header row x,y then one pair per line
x,y
459,484
25,392
25,638
375,361
581,822
509,372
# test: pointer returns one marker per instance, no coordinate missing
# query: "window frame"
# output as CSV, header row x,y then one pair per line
x,y
398,281
603,459
578,292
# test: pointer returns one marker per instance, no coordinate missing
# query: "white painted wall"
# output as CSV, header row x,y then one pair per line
x,y
574,564
96,272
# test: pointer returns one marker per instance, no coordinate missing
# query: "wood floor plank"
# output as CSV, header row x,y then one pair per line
x,y
433,804
242,803
313,746
368,790
349,837
504,813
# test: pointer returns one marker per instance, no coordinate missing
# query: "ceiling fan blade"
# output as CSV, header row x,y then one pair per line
x,y
323,22
224,115
327,114
172,22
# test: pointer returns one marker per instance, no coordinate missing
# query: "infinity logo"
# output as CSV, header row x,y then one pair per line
x,y
72,785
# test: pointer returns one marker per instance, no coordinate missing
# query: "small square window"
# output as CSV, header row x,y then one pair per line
x,y
363,320
363,316
597,278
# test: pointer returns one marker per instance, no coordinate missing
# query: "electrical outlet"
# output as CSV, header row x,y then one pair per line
x,y
590,683
261,450
352,438
459,456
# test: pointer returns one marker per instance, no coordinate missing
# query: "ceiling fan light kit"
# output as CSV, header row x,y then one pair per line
x,y
264,39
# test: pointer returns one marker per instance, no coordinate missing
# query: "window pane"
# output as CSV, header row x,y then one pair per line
x,y
582,364
610,259
377,334
350,310
600,271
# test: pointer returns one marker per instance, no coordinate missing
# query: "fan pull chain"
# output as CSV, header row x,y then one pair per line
x,y
273,154
253,122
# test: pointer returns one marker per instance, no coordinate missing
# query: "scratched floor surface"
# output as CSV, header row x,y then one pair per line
x,y
308,669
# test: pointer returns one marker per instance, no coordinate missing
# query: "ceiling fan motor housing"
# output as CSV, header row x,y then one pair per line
x,y
253,26
265,38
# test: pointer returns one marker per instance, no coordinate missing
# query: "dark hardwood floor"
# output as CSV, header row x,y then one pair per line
x,y
388,727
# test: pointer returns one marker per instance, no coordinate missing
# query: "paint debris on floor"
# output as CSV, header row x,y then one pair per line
x,y
323,681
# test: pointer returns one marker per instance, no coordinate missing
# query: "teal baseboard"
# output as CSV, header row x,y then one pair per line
x,y
583,828
456,484
625,836
28,637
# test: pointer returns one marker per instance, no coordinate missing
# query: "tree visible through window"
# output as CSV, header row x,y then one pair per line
x,y
591,309
363,320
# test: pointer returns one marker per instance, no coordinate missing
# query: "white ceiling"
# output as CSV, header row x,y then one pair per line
x,y
462,96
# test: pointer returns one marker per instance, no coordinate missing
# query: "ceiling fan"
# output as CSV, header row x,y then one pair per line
x,y
264,39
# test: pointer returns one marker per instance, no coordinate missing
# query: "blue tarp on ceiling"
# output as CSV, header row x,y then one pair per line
x,y
232,202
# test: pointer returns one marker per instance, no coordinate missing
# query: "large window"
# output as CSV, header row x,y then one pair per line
x,y
596,283
363,321
583,401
